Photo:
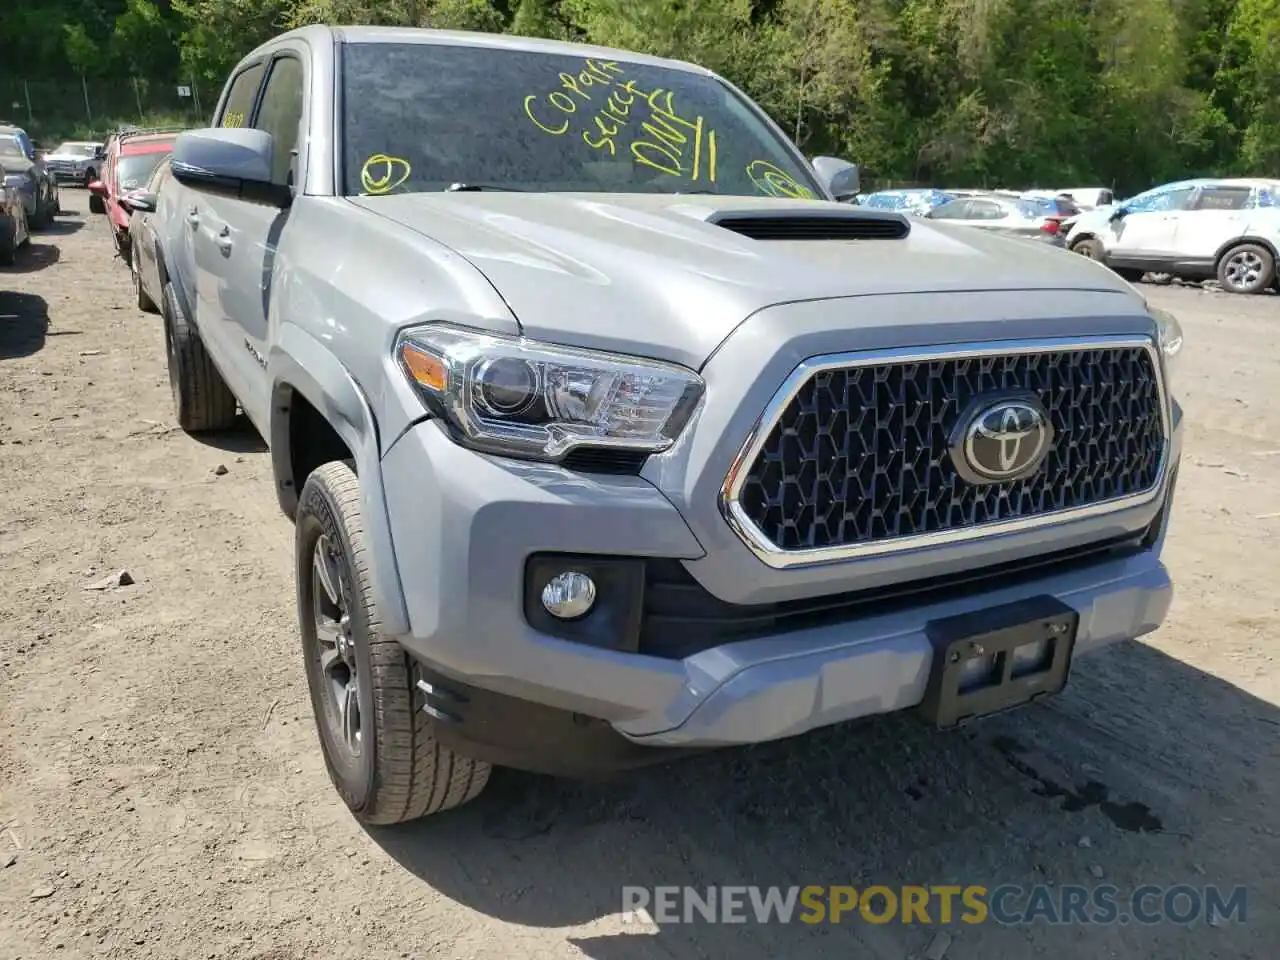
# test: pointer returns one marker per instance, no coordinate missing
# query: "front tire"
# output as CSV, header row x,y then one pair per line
x,y
1247,268
43,216
379,746
1090,247
145,303
201,398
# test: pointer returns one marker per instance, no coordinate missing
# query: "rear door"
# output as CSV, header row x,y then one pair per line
x,y
1215,216
988,214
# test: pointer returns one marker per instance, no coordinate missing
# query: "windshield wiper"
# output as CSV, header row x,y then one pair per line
x,y
477,187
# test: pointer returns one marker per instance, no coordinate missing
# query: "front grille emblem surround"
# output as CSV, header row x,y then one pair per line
x,y
1018,381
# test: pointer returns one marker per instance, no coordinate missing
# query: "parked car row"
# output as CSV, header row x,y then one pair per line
x,y
1223,229
132,162
1201,229
28,192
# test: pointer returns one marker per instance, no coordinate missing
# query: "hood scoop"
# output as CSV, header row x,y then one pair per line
x,y
848,224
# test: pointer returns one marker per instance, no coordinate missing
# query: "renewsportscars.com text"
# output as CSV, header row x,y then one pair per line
x,y
939,904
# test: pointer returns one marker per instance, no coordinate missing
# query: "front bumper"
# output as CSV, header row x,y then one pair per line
x,y
465,525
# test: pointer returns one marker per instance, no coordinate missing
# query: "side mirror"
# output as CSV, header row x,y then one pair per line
x,y
139,202
98,188
229,161
1119,213
840,176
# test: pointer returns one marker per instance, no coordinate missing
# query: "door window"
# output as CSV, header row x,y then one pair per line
x,y
280,114
244,90
954,210
158,178
1222,198
986,210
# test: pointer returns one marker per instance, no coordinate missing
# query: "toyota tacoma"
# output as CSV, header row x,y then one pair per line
x,y
610,434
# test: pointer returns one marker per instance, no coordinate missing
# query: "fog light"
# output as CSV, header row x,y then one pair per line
x,y
569,595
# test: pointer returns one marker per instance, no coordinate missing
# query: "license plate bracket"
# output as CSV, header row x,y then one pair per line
x,y
959,690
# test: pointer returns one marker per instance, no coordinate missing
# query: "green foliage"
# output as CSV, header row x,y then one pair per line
x,y
997,92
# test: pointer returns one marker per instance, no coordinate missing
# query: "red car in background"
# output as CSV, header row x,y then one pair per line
x,y
132,156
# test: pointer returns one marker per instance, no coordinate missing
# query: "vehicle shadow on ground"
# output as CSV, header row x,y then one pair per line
x,y
240,437
889,801
63,225
24,323
33,257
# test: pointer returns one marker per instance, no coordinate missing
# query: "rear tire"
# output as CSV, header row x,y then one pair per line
x,y
379,746
1247,268
96,204
201,398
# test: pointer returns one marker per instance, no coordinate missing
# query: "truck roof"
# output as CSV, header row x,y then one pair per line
x,y
375,34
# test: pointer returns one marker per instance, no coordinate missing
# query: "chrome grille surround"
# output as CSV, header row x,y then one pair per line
x,y
742,471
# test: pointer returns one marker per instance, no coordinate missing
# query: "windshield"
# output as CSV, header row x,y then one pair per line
x,y
420,117
134,170
10,147
76,149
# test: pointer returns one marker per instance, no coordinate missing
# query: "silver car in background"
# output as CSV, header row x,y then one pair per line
x,y
76,161
1018,216
13,222
28,176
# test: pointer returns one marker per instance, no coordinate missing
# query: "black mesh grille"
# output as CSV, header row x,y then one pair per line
x,y
860,454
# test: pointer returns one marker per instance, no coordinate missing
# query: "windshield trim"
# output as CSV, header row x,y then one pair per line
x,y
814,182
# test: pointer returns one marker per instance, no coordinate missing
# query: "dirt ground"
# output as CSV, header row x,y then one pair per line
x,y
162,790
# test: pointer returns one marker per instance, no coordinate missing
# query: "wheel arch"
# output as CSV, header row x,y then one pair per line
x,y
319,412
1241,241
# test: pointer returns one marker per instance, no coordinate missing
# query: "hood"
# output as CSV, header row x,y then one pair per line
x,y
67,157
669,274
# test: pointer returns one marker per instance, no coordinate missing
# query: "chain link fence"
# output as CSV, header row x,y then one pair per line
x,y
88,107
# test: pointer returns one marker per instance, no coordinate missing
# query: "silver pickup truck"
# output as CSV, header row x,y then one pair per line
x,y
610,435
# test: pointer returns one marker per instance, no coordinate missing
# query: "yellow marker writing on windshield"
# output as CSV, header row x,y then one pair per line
x,y
776,182
382,173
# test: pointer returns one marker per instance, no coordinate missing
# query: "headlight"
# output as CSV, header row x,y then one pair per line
x,y
1170,331
16,180
520,397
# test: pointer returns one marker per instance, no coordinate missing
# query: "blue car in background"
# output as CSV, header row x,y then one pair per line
x,y
917,200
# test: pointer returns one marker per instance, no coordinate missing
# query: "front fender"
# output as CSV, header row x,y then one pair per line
x,y
299,363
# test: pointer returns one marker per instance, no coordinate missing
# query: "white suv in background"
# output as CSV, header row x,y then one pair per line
x,y
1192,229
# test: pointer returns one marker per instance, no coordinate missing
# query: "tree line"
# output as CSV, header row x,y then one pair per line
x,y
1121,93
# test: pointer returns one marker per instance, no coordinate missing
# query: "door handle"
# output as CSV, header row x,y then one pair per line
x,y
193,217
223,240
